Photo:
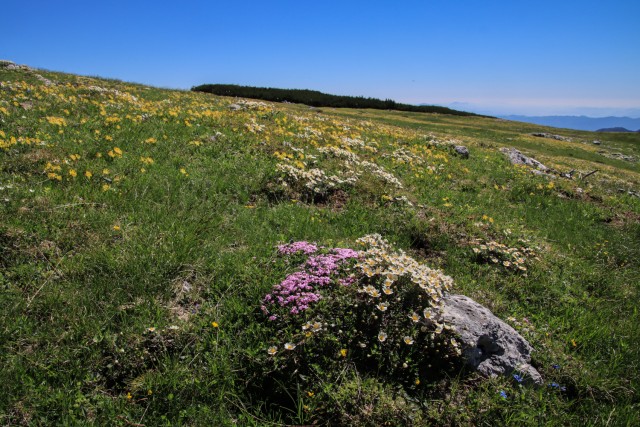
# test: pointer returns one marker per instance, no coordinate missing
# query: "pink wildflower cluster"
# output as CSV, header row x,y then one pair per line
x,y
300,289
295,247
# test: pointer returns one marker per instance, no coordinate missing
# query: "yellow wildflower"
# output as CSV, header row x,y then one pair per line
x,y
58,121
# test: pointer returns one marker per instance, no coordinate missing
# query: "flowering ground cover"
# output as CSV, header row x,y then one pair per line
x,y
178,258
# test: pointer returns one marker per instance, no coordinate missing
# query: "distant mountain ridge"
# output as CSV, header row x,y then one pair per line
x,y
580,122
617,129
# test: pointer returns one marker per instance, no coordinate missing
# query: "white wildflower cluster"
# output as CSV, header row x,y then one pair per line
x,y
123,95
348,156
402,155
379,260
395,281
244,104
314,179
381,173
500,254
297,171
310,132
359,143
402,200
253,126
352,142
432,139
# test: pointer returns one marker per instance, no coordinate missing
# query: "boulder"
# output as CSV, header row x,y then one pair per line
x,y
489,345
517,158
462,151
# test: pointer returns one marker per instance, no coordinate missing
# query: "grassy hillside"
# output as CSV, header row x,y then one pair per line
x,y
139,233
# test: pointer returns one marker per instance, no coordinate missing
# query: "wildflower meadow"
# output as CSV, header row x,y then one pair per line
x,y
178,258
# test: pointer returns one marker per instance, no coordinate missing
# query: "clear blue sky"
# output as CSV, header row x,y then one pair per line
x,y
525,56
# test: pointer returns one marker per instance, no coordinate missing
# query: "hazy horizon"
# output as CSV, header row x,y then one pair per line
x,y
544,111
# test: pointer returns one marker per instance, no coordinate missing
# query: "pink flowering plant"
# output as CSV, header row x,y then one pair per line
x,y
375,310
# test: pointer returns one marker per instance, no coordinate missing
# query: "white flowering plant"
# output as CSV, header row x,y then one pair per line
x,y
375,310
510,258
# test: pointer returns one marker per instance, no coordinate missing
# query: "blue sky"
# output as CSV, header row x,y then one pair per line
x,y
516,56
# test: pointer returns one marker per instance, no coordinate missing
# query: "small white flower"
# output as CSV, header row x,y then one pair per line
x,y
383,306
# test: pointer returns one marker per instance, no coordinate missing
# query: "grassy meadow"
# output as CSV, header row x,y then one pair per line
x,y
138,238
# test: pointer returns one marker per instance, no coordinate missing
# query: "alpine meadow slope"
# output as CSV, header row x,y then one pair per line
x,y
178,258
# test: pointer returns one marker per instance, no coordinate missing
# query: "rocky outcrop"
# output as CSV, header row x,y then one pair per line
x,y
517,158
489,345
552,136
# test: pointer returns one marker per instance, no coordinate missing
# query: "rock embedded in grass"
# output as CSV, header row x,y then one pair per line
x,y
551,136
489,345
462,151
517,158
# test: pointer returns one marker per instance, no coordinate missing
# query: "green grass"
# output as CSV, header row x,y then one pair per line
x,y
86,269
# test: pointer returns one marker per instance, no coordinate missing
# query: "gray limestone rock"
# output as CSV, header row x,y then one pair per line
x,y
551,136
517,158
462,151
489,345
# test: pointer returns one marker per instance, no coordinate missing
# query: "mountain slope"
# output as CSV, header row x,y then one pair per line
x,y
139,234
